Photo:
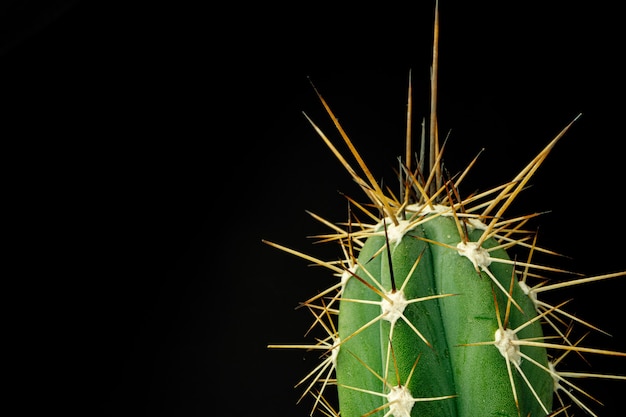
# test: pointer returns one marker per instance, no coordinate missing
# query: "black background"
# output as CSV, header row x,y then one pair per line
x,y
150,147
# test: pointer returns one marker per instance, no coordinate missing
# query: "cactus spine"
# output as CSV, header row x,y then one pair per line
x,y
430,315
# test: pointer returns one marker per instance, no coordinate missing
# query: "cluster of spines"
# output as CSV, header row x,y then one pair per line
x,y
467,213
424,194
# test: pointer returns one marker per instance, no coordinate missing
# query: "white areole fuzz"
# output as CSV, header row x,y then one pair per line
x,y
476,254
393,305
400,401
506,343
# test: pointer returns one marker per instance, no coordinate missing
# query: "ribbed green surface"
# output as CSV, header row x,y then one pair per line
x,y
476,375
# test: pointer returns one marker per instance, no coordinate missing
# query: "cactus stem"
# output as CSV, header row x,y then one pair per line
x,y
508,344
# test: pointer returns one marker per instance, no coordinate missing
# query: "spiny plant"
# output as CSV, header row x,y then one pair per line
x,y
431,315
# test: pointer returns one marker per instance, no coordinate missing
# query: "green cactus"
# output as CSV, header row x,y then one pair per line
x,y
431,316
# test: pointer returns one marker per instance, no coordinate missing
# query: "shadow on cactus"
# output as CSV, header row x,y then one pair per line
x,y
430,316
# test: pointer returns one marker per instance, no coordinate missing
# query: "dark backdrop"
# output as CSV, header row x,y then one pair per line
x,y
150,147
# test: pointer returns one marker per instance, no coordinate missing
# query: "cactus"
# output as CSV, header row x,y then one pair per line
x,y
435,313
